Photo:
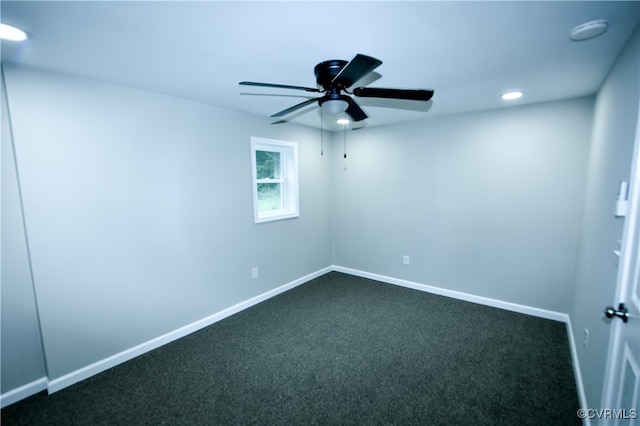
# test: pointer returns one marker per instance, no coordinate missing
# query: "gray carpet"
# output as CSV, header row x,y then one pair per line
x,y
336,350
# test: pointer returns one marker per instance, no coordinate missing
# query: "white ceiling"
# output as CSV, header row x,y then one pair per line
x,y
468,52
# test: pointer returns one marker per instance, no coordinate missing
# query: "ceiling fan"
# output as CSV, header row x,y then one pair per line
x,y
335,77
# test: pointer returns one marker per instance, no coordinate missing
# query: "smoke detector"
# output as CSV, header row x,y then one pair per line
x,y
589,30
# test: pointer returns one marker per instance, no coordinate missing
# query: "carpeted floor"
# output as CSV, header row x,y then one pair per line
x,y
337,350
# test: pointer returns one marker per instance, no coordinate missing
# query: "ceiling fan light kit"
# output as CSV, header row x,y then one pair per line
x,y
335,77
334,106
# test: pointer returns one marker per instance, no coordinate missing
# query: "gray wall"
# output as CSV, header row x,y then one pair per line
x,y
21,353
483,203
614,127
139,213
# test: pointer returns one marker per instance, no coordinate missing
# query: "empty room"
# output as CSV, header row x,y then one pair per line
x,y
299,212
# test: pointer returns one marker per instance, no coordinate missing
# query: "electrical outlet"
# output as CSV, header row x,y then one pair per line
x,y
585,342
254,273
405,260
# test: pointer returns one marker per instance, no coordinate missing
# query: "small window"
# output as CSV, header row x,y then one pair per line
x,y
274,166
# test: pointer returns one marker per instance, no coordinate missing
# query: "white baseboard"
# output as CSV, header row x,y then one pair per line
x,y
22,392
509,306
577,372
102,365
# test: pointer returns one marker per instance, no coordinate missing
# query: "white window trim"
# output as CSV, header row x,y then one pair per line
x,y
288,178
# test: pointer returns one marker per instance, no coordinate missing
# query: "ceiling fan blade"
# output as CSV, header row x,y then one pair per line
x,y
281,86
355,112
412,95
359,66
295,107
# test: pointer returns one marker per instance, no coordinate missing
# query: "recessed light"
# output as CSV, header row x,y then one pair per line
x,y
509,96
343,121
589,30
7,32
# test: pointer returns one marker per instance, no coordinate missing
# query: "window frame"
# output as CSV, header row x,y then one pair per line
x,y
288,179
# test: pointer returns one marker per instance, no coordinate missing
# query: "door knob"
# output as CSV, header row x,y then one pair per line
x,y
622,312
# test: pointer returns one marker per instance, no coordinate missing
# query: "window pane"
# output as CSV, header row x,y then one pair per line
x,y
267,165
274,167
269,197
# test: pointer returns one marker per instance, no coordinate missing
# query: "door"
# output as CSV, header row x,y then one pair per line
x,y
621,393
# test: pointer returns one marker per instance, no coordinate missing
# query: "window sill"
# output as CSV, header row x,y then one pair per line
x,y
275,216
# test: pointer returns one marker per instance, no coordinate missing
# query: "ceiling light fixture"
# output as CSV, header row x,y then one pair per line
x,y
334,106
589,30
343,121
510,96
7,32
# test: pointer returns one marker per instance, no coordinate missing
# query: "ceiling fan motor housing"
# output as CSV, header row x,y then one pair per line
x,y
326,71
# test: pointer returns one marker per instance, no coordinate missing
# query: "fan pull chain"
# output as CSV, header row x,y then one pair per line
x,y
345,141
321,132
